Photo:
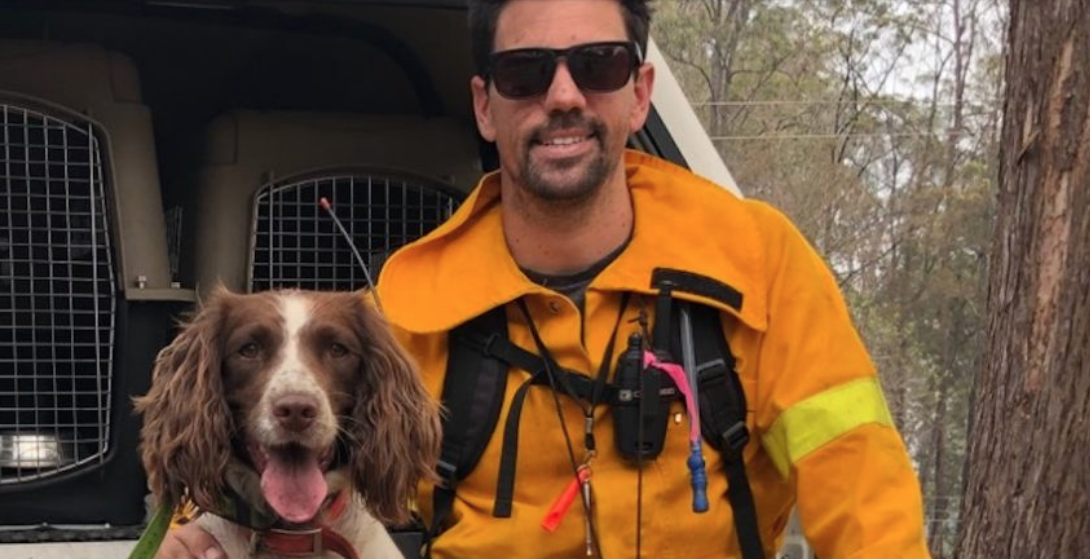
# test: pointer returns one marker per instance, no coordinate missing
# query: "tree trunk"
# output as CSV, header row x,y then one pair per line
x,y
935,522
734,16
945,479
1028,492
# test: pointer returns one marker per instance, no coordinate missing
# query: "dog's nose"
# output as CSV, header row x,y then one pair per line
x,y
295,412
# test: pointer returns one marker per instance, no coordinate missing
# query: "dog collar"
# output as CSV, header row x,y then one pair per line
x,y
307,542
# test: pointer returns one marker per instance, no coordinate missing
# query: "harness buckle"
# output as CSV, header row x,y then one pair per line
x,y
447,474
486,348
736,437
581,385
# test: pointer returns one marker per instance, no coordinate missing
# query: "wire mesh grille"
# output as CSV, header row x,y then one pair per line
x,y
57,296
296,243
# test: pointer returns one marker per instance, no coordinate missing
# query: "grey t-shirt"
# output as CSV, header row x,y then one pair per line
x,y
574,286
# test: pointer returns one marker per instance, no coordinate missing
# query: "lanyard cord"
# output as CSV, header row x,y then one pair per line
x,y
551,366
642,319
548,358
588,410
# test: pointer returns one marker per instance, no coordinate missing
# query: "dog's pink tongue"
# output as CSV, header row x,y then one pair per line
x,y
294,488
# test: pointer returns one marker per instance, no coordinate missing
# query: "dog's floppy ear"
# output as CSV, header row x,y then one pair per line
x,y
396,422
185,439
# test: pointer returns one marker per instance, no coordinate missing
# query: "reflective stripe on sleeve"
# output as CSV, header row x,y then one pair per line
x,y
811,423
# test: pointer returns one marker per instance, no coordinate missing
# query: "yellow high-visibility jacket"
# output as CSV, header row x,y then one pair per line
x,y
823,438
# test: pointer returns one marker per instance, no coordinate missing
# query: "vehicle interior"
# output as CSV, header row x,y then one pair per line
x,y
155,150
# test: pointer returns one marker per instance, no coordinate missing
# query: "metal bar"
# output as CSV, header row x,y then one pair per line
x,y
688,352
273,250
70,259
49,258
353,278
106,368
11,240
94,293
32,257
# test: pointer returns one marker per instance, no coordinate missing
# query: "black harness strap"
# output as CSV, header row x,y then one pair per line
x,y
502,349
505,483
723,421
697,284
473,396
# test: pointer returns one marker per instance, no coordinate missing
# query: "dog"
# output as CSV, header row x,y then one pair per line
x,y
294,420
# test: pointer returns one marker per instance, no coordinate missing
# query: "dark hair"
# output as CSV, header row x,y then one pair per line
x,y
483,15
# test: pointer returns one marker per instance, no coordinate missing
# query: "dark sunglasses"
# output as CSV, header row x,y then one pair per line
x,y
598,67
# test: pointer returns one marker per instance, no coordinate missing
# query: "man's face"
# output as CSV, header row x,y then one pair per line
x,y
564,143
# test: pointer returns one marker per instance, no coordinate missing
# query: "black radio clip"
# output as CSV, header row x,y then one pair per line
x,y
640,422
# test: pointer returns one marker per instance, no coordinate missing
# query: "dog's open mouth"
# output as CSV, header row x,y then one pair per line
x,y
293,478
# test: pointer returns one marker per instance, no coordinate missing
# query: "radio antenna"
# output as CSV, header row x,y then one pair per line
x,y
324,203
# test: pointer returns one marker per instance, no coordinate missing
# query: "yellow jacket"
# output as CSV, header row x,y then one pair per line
x,y
825,437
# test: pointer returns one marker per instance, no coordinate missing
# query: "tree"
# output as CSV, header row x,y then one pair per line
x,y
874,125
1028,487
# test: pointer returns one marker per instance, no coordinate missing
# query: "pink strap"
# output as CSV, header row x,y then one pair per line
x,y
677,373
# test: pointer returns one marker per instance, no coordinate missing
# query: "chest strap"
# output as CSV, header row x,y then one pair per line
x,y
473,394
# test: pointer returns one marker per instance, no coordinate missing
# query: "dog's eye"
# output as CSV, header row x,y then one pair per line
x,y
250,350
337,350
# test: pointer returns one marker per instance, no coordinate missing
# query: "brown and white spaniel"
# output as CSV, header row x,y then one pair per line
x,y
275,410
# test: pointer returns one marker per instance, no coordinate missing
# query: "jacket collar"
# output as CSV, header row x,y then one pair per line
x,y
417,282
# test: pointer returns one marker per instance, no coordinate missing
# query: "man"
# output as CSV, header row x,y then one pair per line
x,y
565,237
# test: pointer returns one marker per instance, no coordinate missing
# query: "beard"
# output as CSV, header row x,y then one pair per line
x,y
570,181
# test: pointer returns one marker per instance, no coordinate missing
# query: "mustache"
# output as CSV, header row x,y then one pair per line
x,y
564,121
